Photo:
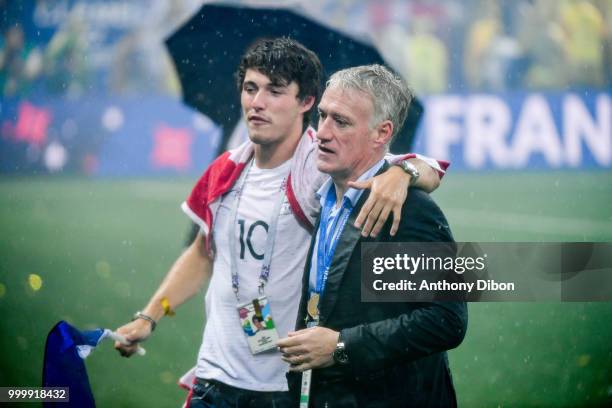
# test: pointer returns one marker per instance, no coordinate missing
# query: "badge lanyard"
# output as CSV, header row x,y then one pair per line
x,y
270,239
325,252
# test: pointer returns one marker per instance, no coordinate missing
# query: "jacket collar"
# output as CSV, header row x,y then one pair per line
x,y
349,238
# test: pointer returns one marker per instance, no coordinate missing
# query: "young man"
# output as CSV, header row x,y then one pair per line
x,y
367,354
255,206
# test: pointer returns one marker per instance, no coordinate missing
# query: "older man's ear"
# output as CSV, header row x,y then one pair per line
x,y
384,132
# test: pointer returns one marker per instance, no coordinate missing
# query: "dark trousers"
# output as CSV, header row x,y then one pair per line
x,y
214,394
386,391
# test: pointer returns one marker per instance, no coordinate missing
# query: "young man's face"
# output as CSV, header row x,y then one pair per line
x,y
345,136
272,111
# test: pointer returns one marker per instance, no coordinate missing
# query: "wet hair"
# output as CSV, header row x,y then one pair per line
x,y
390,95
283,61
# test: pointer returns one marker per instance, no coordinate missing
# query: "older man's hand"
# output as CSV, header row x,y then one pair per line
x,y
309,348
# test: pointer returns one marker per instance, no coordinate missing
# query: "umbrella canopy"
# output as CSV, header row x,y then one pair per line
x,y
207,49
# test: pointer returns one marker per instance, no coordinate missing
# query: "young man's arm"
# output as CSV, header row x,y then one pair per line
x,y
429,178
191,271
388,194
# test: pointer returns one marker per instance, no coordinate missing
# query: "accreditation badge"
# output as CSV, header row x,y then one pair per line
x,y
258,325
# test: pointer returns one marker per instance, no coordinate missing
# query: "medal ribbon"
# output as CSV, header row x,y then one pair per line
x,y
328,238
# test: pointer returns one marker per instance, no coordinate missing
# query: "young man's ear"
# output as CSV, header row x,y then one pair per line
x,y
307,103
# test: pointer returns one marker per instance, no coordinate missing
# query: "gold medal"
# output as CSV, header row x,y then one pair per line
x,y
313,306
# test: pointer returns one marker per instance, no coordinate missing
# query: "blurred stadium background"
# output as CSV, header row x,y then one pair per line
x,y
97,152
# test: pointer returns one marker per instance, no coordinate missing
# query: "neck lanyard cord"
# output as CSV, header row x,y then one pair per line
x,y
270,240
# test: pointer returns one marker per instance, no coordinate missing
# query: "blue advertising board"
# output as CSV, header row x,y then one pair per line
x,y
518,131
137,136
158,135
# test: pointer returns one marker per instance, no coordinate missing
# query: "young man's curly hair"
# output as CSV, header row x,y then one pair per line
x,y
284,60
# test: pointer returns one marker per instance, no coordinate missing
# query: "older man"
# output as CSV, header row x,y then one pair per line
x,y
367,354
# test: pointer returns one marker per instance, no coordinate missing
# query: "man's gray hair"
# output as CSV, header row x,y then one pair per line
x,y
390,94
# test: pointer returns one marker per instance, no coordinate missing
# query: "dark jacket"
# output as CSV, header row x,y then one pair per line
x,y
397,351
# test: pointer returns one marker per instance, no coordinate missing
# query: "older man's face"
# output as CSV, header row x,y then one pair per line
x,y
345,137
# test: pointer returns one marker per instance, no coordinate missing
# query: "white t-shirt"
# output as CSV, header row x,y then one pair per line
x,y
225,355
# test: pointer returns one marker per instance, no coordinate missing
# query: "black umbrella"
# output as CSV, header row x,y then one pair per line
x,y
207,49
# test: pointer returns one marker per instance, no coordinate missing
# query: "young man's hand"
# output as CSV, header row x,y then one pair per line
x,y
389,191
134,332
